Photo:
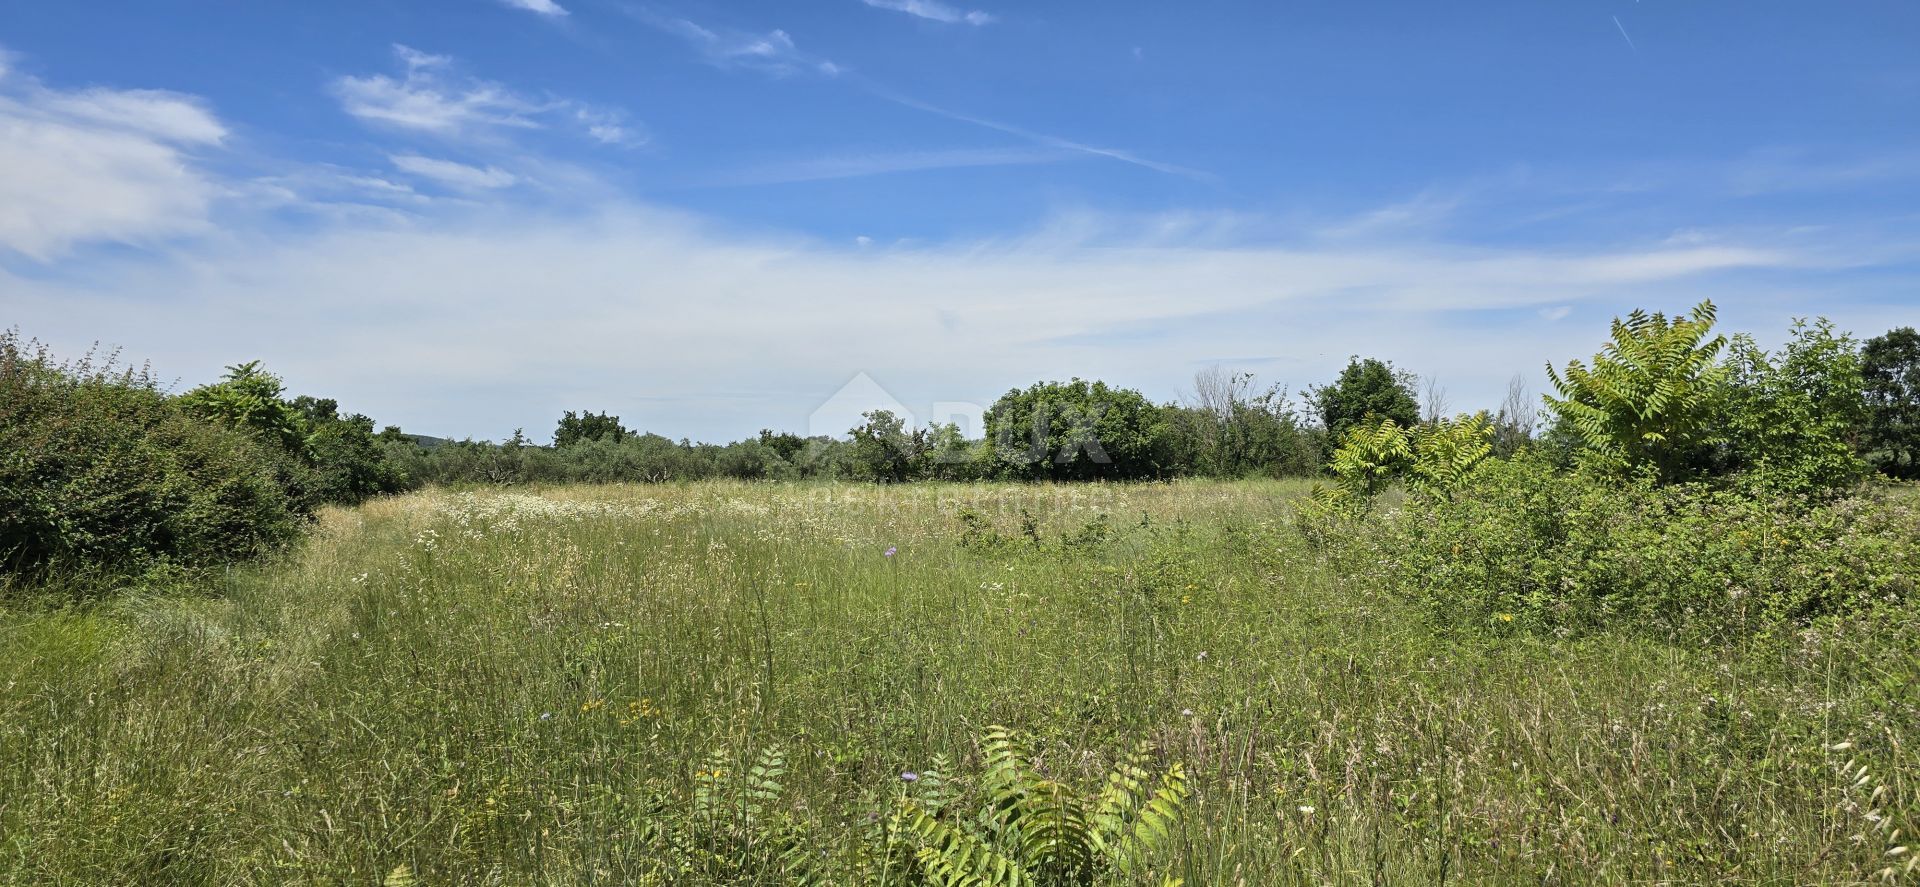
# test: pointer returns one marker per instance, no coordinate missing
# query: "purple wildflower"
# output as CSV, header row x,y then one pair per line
x,y
890,550
909,776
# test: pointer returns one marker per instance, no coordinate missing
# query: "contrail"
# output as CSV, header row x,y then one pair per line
x,y
1044,139
1623,33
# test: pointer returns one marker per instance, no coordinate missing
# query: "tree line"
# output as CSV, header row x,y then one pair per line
x,y
100,468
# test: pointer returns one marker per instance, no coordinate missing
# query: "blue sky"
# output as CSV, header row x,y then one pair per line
x,y
466,216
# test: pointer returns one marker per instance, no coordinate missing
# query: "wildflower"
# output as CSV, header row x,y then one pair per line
x,y
909,776
1306,809
1503,617
546,716
1186,712
890,551
1201,656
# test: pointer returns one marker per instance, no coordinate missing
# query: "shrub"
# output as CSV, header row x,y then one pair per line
x,y
1793,417
101,475
1520,545
1078,430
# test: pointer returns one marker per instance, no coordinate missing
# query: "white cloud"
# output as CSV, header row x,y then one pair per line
x,y
164,115
686,329
1557,312
428,100
100,165
433,98
543,7
935,10
457,175
773,52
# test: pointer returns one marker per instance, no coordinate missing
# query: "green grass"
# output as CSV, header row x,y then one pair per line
x,y
521,688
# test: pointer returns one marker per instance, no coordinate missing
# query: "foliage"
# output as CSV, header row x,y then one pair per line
x,y
1230,428
885,451
1035,831
1368,391
1890,365
1521,545
1432,457
1370,458
1445,451
103,477
1651,398
1792,419
247,398
583,426
1078,430
349,463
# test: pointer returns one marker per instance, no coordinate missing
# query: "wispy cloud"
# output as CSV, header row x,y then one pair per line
x,y
1050,141
431,96
100,165
456,175
883,163
811,314
543,7
935,10
773,52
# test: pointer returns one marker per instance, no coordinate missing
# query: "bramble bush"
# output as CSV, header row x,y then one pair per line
x,y
102,476
1522,546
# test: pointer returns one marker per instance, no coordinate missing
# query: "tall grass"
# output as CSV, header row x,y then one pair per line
x,y
523,688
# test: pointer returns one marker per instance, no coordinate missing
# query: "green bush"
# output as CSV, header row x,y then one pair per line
x,y
1520,545
102,475
1078,430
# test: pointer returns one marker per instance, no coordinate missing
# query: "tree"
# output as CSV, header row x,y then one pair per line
x,y
1793,417
349,461
1367,391
1434,396
588,426
884,450
1232,427
248,399
1890,369
1078,430
785,443
1652,397
1513,426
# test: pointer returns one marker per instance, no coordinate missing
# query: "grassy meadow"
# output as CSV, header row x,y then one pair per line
x,y
532,687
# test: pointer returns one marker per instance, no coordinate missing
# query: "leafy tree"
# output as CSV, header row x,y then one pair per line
x,y
1078,430
1652,397
349,462
1445,451
248,398
884,450
1367,391
1432,457
785,443
1793,417
1890,368
575,428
